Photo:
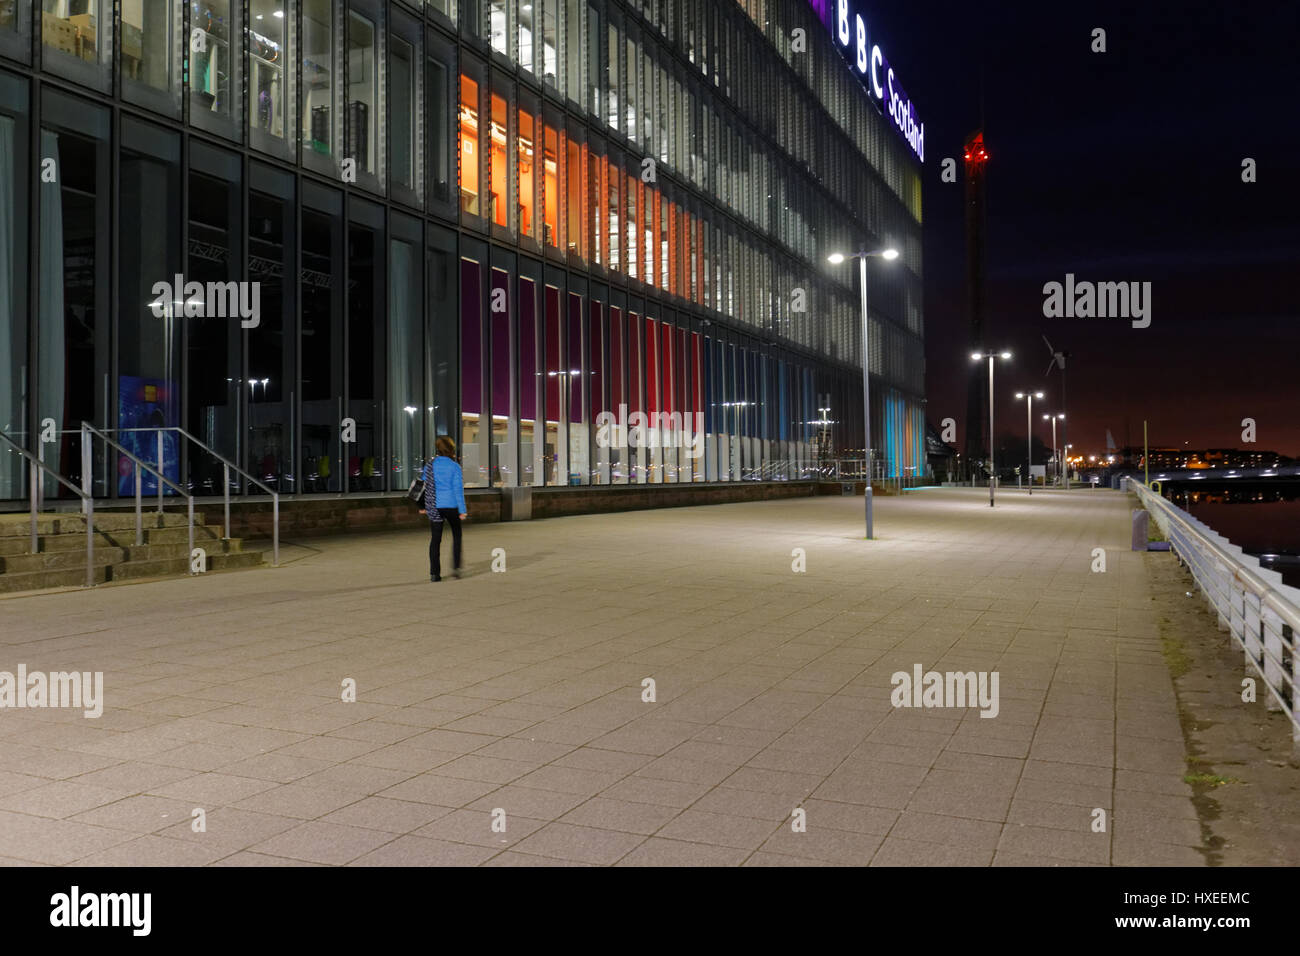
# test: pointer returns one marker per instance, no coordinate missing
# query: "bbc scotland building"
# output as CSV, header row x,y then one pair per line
x,y
514,223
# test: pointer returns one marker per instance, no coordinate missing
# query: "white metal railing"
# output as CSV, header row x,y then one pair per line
x,y
87,432
33,490
227,466
1261,612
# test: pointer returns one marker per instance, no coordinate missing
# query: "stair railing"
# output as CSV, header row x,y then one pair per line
x,y
87,431
33,486
227,466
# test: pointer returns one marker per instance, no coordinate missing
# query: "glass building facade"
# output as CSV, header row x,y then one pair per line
x,y
585,238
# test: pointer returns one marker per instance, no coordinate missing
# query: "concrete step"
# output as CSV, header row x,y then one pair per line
x,y
59,560
76,541
147,552
203,535
237,559
38,580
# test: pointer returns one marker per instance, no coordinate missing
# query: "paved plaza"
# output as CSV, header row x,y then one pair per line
x,y
516,697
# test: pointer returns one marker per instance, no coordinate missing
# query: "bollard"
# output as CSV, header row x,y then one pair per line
x,y
1140,518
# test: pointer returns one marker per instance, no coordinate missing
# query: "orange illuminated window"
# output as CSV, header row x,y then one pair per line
x,y
591,212
469,200
614,178
661,239
497,163
573,219
551,187
674,272
527,180
649,196
631,221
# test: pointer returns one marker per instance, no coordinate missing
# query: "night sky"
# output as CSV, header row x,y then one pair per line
x,y
1117,166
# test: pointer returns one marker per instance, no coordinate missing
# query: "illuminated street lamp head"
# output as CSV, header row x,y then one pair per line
x,y
890,254
835,258
1038,394
1020,394
1006,355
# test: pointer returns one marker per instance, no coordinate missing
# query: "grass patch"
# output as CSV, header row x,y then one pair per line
x,y
1175,657
1208,779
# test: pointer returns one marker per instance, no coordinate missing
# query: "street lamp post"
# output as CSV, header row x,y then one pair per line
x,y
1030,422
835,259
1055,451
975,357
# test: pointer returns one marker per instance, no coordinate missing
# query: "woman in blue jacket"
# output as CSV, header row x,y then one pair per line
x,y
444,503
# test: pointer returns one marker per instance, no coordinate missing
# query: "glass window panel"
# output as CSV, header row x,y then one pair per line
x,y
498,163
438,128
148,348
531,371
271,255
318,71
551,186
403,86
593,61
497,26
631,62
527,34
635,402
631,192
471,373
321,347
14,200
74,262
591,219
612,100
613,178
617,396
216,387
149,43
528,221
574,170
267,55
406,411
363,94
504,471
574,54
76,30
469,160
366,386
552,387
550,41
214,63
575,371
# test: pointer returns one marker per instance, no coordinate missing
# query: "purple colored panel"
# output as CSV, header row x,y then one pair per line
x,y
553,364
527,350
500,304
471,339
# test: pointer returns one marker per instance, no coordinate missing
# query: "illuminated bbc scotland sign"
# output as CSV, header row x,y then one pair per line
x,y
849,30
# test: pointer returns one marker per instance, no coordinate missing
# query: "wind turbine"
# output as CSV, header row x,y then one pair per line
x,y
1058,361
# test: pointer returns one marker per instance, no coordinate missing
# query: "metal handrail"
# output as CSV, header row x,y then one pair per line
x,y
227,465
1253,604
88,430
34,482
